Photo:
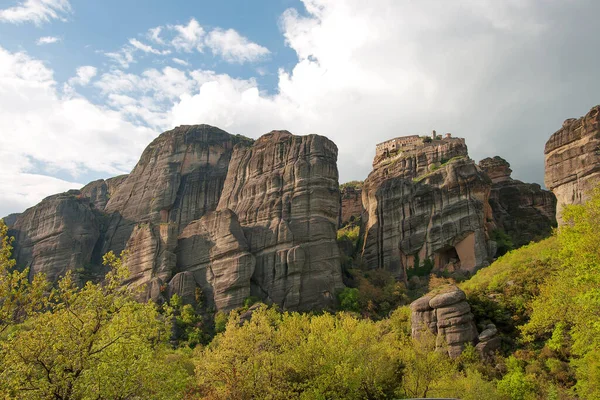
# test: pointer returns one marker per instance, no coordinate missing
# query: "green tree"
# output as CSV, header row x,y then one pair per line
x,y
94,342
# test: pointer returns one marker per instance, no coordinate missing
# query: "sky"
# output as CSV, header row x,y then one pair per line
x,y
86,85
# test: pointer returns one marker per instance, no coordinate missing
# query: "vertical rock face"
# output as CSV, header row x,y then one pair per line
x,y
284,191
524,211
430,202
214,249
56,236
351,206
573,159
448,317
204,221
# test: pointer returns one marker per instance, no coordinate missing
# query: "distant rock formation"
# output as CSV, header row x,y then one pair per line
x,y
10,219
351,207
524,211
429,202
573,160
446,315
57,235
205,215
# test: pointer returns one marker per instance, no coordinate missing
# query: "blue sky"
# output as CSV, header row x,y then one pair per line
x,y
86,85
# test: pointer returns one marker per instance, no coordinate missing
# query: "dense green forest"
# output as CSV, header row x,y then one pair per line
x,y
97,342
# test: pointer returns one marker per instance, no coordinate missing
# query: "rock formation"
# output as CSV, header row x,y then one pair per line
x,y
206,215
573,159
427,202
10,219
351,207
284,190
57,235
448,317
524,211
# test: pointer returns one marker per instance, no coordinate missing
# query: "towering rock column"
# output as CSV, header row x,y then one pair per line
x,y
285,193
573,160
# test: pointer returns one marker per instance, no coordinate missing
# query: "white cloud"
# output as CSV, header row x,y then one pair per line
x,y
44,133
180,62
154,35
47,40
83,75
188,37
36,11
123,57
233,47
147,48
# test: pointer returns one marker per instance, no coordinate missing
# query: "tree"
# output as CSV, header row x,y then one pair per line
x,y
91,342
18,296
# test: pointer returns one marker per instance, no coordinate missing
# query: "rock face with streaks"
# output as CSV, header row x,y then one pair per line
x,y
284,190
56,236
446,315
524,211
209,216
351,207
10,219
100,191
573,159
429,202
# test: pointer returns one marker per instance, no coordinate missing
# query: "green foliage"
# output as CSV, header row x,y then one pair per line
x,y
350,233
516,384
378,292
352,184
420,270
221,319
503,241
249,301
348,299
91,342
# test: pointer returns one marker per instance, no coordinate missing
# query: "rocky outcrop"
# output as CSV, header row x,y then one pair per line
x,y
430,203
284,191
572,157
524,211
351,207
11,219
100,191
488,341
448,317
212,217
56,236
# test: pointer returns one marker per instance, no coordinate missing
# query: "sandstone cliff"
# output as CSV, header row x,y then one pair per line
x,y
57,235
428,203
573,159
10,219
524,211
285,192
351,207
212,217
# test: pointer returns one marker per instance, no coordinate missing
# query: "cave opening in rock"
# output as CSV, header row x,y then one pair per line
x,y
448,259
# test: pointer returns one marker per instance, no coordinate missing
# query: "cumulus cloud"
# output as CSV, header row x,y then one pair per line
x,y
47,40
45,133
83,75
36,11
188,37
233,47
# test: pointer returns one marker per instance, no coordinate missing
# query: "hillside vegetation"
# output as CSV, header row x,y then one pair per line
x,y
98,342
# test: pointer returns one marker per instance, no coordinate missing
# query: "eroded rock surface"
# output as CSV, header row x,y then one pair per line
x,y
448,317
430,202
573,160
10,219
100,191
524,211
351,207
285,192
56,236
